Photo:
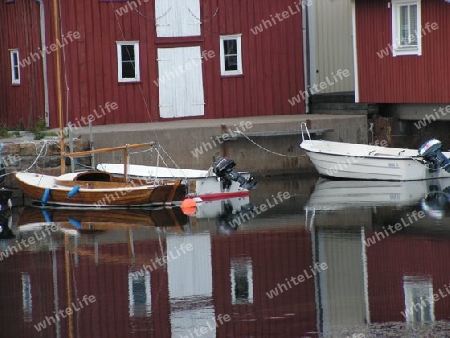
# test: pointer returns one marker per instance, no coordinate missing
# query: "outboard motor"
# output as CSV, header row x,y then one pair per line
x,y
431,151
224,170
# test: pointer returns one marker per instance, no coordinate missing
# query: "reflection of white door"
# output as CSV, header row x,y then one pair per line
x,y
180,82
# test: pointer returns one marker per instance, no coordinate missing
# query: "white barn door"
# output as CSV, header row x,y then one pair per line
x,y
180,82
176,18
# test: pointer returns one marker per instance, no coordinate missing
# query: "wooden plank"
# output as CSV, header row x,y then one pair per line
x,y
103,150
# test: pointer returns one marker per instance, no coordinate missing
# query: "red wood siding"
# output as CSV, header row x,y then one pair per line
x,y
402,79
272,61
19,29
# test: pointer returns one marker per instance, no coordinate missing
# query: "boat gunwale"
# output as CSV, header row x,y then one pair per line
x,y
394,157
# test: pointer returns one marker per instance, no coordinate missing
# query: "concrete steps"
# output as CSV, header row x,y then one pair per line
x,y
341,103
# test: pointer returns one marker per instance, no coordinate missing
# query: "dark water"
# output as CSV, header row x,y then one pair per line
x,y
299,264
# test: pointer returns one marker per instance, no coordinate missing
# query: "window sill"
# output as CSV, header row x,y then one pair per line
x,y
127,82
224,76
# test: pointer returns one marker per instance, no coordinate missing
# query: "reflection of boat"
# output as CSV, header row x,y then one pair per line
x,y
111,219
97,188
369,162
338,194
431,196
213,208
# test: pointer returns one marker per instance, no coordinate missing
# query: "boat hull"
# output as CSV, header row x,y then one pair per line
x,y
365,162
109,195
201,182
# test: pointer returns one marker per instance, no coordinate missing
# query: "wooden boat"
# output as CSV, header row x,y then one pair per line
x,y
369,162
99,189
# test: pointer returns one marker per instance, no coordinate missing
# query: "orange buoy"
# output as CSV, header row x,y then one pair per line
x,y
189,206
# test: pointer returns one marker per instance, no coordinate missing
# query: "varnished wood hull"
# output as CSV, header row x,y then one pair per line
x,y
97,194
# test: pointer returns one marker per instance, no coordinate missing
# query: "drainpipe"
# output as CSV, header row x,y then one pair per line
x,y
44,63
306,54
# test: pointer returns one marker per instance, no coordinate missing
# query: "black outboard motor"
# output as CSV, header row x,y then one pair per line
x,y
431,151
224,170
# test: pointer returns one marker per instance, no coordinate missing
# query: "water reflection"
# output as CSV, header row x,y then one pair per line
x,y
160,273
382,279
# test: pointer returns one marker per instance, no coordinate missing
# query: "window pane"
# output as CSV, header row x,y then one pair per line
x,y
128,71
413,24
127,53
230,47
231,62
404,26
16,73
15,60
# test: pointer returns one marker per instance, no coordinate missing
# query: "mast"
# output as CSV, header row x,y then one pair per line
x,y
58,84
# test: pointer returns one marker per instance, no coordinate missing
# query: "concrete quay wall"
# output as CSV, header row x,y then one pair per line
x,y
197,143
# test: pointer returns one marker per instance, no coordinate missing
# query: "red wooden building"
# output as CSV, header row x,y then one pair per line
x,y
401,50
149,60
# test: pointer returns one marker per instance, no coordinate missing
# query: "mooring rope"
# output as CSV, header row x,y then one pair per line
x,y
265,149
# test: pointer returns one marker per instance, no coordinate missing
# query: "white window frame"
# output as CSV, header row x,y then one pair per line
x,y
398,48
223,71
135,44
15,80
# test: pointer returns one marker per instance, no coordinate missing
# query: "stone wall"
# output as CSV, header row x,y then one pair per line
x,y
42,156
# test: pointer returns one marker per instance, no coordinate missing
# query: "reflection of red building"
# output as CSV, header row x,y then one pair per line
x,y
397,257
244,266
275,256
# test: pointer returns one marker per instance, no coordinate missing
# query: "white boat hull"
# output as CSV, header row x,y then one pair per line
x,y
206,182
366,162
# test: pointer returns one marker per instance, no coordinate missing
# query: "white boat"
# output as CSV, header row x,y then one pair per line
x,y
203,183
369,162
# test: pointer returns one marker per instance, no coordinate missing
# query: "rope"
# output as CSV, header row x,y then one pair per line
x,y
39,155
206,20
265,149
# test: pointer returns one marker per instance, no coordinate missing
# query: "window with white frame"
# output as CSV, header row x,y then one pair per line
x,y
139,294
15,67
419,299
27,301
406,27
241,281
230,55
128,61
